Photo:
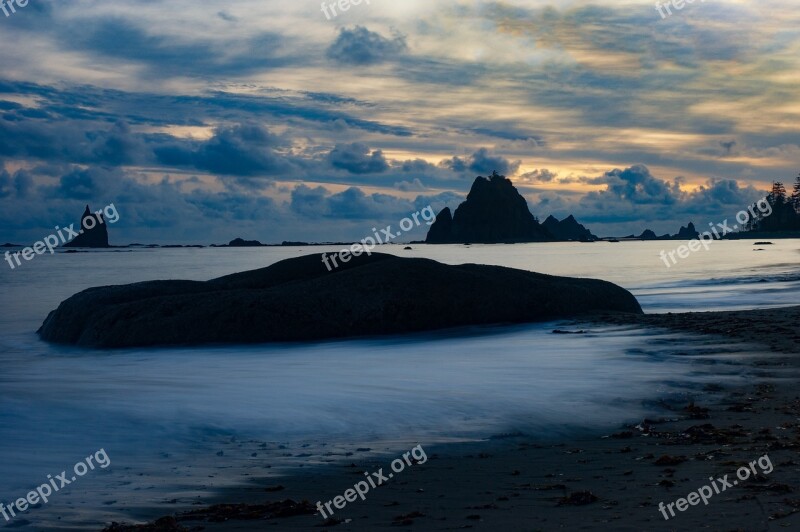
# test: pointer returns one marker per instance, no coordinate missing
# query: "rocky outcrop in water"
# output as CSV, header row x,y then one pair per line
x,y
687,233
93,232
300,300
568,229
242,243
493,213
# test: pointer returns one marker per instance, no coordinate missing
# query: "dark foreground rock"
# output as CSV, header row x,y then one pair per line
x,y
299,299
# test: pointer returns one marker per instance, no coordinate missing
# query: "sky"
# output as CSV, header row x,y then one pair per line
x,y
206,121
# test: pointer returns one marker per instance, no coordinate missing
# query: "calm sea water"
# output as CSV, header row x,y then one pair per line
x,y
165,415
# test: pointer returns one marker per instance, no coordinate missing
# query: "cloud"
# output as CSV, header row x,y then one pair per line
x,y
239,150
259,93
71,142
543,175
15,186
82,184
171,54
360,47
634,199
407,186
356,158
482,162
636,185
309,201
351,204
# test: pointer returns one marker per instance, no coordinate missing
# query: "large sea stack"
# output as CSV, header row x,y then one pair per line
x,y
494,213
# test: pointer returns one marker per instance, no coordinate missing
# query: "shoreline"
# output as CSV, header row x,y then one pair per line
x,y
519,482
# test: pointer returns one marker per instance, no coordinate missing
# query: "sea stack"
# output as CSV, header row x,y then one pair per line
x,y
568,229
93,232
494,213
687,233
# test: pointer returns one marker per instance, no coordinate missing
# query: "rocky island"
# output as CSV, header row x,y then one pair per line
x,y
494,212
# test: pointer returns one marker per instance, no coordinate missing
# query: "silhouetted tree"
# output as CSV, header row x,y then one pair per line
x,y
796,195
785,214
778,194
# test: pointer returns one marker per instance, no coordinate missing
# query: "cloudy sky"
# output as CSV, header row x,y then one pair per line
x,y
204,121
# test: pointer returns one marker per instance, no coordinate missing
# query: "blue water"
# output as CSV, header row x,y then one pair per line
x,y
163,415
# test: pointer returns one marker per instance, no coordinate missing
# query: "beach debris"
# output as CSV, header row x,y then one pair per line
x,y
775,487
332,521
165,524
407,518
795,507
696,412
578,498
667,460
219,513
484,507
708,433
741,407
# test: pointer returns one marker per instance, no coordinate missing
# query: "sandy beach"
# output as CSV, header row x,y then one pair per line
x,y
615,480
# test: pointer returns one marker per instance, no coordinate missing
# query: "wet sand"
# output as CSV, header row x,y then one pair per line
x,y
610,481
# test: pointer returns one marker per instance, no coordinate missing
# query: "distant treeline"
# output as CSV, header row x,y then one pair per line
x,y
785,214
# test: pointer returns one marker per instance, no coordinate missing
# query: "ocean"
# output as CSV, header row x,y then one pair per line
x,y
179,423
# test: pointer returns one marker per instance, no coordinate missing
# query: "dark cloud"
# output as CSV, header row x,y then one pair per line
x,y
633,199
315,110
350,204
309,201
82,184
241,150
636,185
170,55
417,166
70,142
359,46
119,146
356,158
7,187
482,162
